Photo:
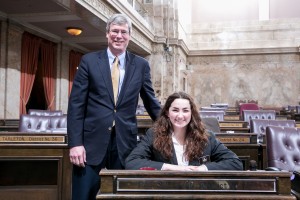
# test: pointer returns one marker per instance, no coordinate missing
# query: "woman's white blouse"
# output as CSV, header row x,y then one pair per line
x,y
179,149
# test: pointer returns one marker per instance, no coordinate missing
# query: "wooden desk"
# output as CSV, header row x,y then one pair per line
x,y
9,122
245,146
297,117
144,122
296,184
9,125
9,128
156,184
232,111
235,126
34,166
231,117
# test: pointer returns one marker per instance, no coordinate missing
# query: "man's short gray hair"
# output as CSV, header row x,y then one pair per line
x,y
119,19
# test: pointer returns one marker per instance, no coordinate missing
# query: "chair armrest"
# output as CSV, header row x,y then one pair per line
x,y
273,169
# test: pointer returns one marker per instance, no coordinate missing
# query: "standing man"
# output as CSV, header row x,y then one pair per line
x,y
102,125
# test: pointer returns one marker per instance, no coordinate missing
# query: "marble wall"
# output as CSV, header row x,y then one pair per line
x,y
245,60
225,61
273,80
10,70
62,82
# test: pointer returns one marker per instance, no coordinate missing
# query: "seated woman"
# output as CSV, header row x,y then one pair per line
x,y
179,141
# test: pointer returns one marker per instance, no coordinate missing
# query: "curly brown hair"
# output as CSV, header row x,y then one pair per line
x,y
196,136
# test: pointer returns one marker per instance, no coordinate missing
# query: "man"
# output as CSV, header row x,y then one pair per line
x,y
102,126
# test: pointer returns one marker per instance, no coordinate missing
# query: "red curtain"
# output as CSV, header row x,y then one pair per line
x,y
29,62
48,58
74,60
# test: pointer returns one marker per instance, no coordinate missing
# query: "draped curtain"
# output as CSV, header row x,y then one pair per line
x,y
29,62
48,58
74,60
31,47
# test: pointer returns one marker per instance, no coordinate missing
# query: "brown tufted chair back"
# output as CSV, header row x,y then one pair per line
x,y
283,147
40,124
258,114
214,114
45,112
259,125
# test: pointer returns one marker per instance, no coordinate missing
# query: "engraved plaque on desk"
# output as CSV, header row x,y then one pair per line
x,y
195,185
231,124
32,139
231,117
235,139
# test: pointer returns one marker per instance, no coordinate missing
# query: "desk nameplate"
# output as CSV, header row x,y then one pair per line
x,y
195,185
234,125
32,139
231,117
235,139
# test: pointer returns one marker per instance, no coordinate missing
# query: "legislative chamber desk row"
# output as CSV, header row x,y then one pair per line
x,y
37,166
34,166
155,184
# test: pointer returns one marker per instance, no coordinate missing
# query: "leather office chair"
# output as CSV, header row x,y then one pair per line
x,y
212,114
291,108
283,147
211,124
58,124
283,152
259,125
247,106
43,124
45,112
34,124
258,114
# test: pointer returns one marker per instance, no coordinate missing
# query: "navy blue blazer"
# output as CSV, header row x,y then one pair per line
x,y
216,156
91,108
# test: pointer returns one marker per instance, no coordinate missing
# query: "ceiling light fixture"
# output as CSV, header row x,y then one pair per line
x,y
74,31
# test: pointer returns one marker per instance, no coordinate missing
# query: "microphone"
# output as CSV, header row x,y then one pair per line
x,y
252,165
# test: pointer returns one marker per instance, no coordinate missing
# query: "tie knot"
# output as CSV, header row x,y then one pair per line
x,y
116,60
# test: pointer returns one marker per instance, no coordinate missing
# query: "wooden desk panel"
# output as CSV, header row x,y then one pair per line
x,y
231,117
234,126
245,146
9,125
34,166
9,128
156,184
9,122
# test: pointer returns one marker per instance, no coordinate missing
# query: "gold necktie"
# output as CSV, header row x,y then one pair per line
x,y
115,74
